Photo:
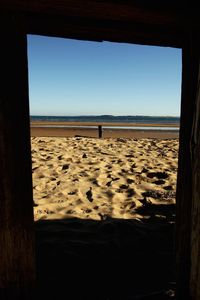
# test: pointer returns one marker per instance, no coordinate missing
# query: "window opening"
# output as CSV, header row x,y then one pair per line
x,y
112,197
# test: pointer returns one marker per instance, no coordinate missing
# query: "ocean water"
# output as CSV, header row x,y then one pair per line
x,y
110,119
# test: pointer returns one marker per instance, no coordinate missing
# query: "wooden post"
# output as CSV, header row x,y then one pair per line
x,y
188,210
17,258
100,131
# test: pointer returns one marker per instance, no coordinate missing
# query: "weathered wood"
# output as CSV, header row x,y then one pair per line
x,y
17,259
185,181
195,212
123,21
141,11
98,30
132,21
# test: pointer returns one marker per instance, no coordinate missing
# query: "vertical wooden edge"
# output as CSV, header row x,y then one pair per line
x,y
17,243
182,265
185,170
195,210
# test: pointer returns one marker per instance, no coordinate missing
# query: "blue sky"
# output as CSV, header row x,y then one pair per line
x,y
71,77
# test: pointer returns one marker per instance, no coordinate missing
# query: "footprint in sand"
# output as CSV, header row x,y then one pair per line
x,y
159,182
129,180
159,175
130,193
168,188
95,182
65,167
89,194
72,193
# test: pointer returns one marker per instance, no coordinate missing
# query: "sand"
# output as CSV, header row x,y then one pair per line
x,y
104,217
70,129
99,178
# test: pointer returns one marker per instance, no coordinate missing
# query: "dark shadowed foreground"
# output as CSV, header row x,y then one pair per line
x,y
109,259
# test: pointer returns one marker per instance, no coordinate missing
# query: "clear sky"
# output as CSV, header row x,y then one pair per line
x,y
71,77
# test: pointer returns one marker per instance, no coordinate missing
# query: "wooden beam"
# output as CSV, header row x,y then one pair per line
x,y
186,181
17,253
99,30
131,21
160,13
139,11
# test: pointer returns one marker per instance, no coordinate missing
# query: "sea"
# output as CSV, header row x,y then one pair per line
x,y
127,120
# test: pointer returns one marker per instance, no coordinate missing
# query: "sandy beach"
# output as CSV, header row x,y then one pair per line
x,y
105,206
95,178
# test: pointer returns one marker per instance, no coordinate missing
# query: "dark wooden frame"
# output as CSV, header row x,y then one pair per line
x,y
142,22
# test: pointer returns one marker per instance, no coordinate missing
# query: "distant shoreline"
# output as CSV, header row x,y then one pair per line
x,y
111,124
90,129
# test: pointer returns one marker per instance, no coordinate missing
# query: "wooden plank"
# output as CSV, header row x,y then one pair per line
x,y
185,183
17,258
195,215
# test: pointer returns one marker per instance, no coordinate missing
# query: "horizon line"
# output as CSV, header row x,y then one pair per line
x,y
103,115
